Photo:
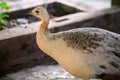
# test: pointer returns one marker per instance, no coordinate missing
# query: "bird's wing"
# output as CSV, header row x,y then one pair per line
x,y
102,47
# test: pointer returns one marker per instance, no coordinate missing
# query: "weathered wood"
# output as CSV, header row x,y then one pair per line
x,y
23,59
115,2
111,77
53,9
108,19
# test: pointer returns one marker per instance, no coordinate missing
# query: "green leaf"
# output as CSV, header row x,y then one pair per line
x,y
3,22
1,15
4,6
4,16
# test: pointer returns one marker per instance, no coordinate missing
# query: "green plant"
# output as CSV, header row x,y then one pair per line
x,y
3,16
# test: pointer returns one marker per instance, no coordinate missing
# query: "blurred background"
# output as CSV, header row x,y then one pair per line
x,y
20,57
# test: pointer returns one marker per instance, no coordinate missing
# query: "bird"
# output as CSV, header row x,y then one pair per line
x,y
84,52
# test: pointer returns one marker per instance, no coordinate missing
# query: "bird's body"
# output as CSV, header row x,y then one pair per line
x,y
84,52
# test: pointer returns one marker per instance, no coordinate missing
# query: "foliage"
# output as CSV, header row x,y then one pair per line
x,y
3,16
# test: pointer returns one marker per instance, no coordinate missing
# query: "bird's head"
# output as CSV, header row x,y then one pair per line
x,y
40,12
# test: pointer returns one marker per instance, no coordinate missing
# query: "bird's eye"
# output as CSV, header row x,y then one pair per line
x,y
37,11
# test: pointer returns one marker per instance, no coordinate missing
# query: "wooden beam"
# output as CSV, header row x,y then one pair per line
x,y
115,2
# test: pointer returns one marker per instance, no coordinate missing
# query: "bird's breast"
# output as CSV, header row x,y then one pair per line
x,y
67,57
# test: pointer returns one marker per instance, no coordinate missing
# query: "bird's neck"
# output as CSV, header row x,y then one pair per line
x,y
44,26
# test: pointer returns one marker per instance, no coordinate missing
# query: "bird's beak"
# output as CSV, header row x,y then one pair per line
x,y
30,13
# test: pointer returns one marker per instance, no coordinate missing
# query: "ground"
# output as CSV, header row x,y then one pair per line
x,y
46,72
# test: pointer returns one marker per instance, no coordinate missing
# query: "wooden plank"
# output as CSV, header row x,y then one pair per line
x,y
115,2
24,59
